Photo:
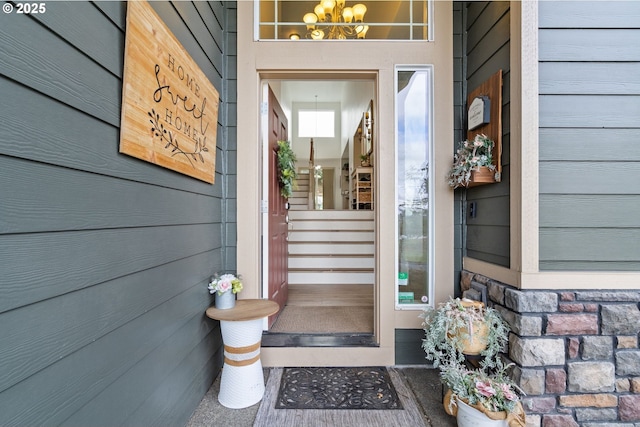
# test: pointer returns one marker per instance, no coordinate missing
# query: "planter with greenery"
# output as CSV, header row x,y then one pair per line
x,y
473,163
495,396
459,328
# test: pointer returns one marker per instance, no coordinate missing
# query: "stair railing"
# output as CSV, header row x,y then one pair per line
x,y
311,199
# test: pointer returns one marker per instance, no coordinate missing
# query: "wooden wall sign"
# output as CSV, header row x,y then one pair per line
x,y
169,107
491,89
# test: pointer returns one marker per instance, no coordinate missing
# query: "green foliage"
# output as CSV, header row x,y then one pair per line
x,y
489,385
286,168
444,348
471,155
495,392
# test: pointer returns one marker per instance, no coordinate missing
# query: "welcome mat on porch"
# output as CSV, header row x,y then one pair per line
x,y
337,388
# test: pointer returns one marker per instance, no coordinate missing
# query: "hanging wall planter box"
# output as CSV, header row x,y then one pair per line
x,y
483,175
490,92
485,122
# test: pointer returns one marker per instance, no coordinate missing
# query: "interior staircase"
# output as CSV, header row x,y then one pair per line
x,y
331,264
300,197
331,247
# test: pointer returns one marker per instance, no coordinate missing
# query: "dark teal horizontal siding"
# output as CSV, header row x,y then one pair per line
x,y
104,258
486,237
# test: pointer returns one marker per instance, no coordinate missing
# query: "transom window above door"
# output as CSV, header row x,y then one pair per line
x,y
343,19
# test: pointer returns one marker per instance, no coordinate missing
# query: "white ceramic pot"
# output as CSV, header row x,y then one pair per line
x,y
471,417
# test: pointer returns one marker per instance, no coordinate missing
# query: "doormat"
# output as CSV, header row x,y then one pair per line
x,y
337,388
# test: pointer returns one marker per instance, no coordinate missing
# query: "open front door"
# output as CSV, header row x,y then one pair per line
x,y
278,229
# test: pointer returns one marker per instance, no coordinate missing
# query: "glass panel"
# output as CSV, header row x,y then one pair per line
x,y
382,20
267,11
414,147
267,32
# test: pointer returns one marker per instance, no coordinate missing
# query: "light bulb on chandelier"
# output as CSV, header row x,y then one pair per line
x,y
332,20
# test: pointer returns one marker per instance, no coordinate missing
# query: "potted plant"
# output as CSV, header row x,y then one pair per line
x,y
473,162
364,160
479,399
286,168
460,326
225,287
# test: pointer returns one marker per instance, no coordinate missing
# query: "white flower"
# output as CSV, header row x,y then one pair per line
x,y
225,283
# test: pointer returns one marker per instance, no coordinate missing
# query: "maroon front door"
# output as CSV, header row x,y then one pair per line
x,y
278,230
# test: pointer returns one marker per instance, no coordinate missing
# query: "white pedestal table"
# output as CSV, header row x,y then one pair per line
x,y
242,381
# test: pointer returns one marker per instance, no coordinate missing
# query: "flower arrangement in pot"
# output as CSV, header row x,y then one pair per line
x,y
471,158
459,328
225,287
494,396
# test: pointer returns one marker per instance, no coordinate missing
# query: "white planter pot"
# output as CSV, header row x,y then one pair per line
x,y
471,417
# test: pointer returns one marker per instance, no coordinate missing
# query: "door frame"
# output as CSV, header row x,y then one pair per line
x,y
264,78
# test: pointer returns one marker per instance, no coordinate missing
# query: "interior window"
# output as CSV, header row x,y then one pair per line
x,y
316,124
343,19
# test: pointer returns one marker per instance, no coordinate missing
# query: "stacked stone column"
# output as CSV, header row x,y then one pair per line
x,y
576,352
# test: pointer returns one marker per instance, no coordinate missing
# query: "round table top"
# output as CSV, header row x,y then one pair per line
x,y
245,309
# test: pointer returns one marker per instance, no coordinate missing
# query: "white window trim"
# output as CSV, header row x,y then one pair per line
x,y
431,259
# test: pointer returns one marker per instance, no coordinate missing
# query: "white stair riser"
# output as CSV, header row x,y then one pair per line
x,y
298,208
313,215
298,200
319,278
303,248
330,225
328,263
323,236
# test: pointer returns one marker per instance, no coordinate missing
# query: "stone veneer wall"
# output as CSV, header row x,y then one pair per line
x,y
576,352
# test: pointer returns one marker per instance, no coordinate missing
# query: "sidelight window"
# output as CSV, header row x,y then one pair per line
x,y
414,145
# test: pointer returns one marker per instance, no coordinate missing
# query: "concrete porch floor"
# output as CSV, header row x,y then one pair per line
x,y
423,382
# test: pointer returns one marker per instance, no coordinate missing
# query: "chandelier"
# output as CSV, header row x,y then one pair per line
x,y
332,20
